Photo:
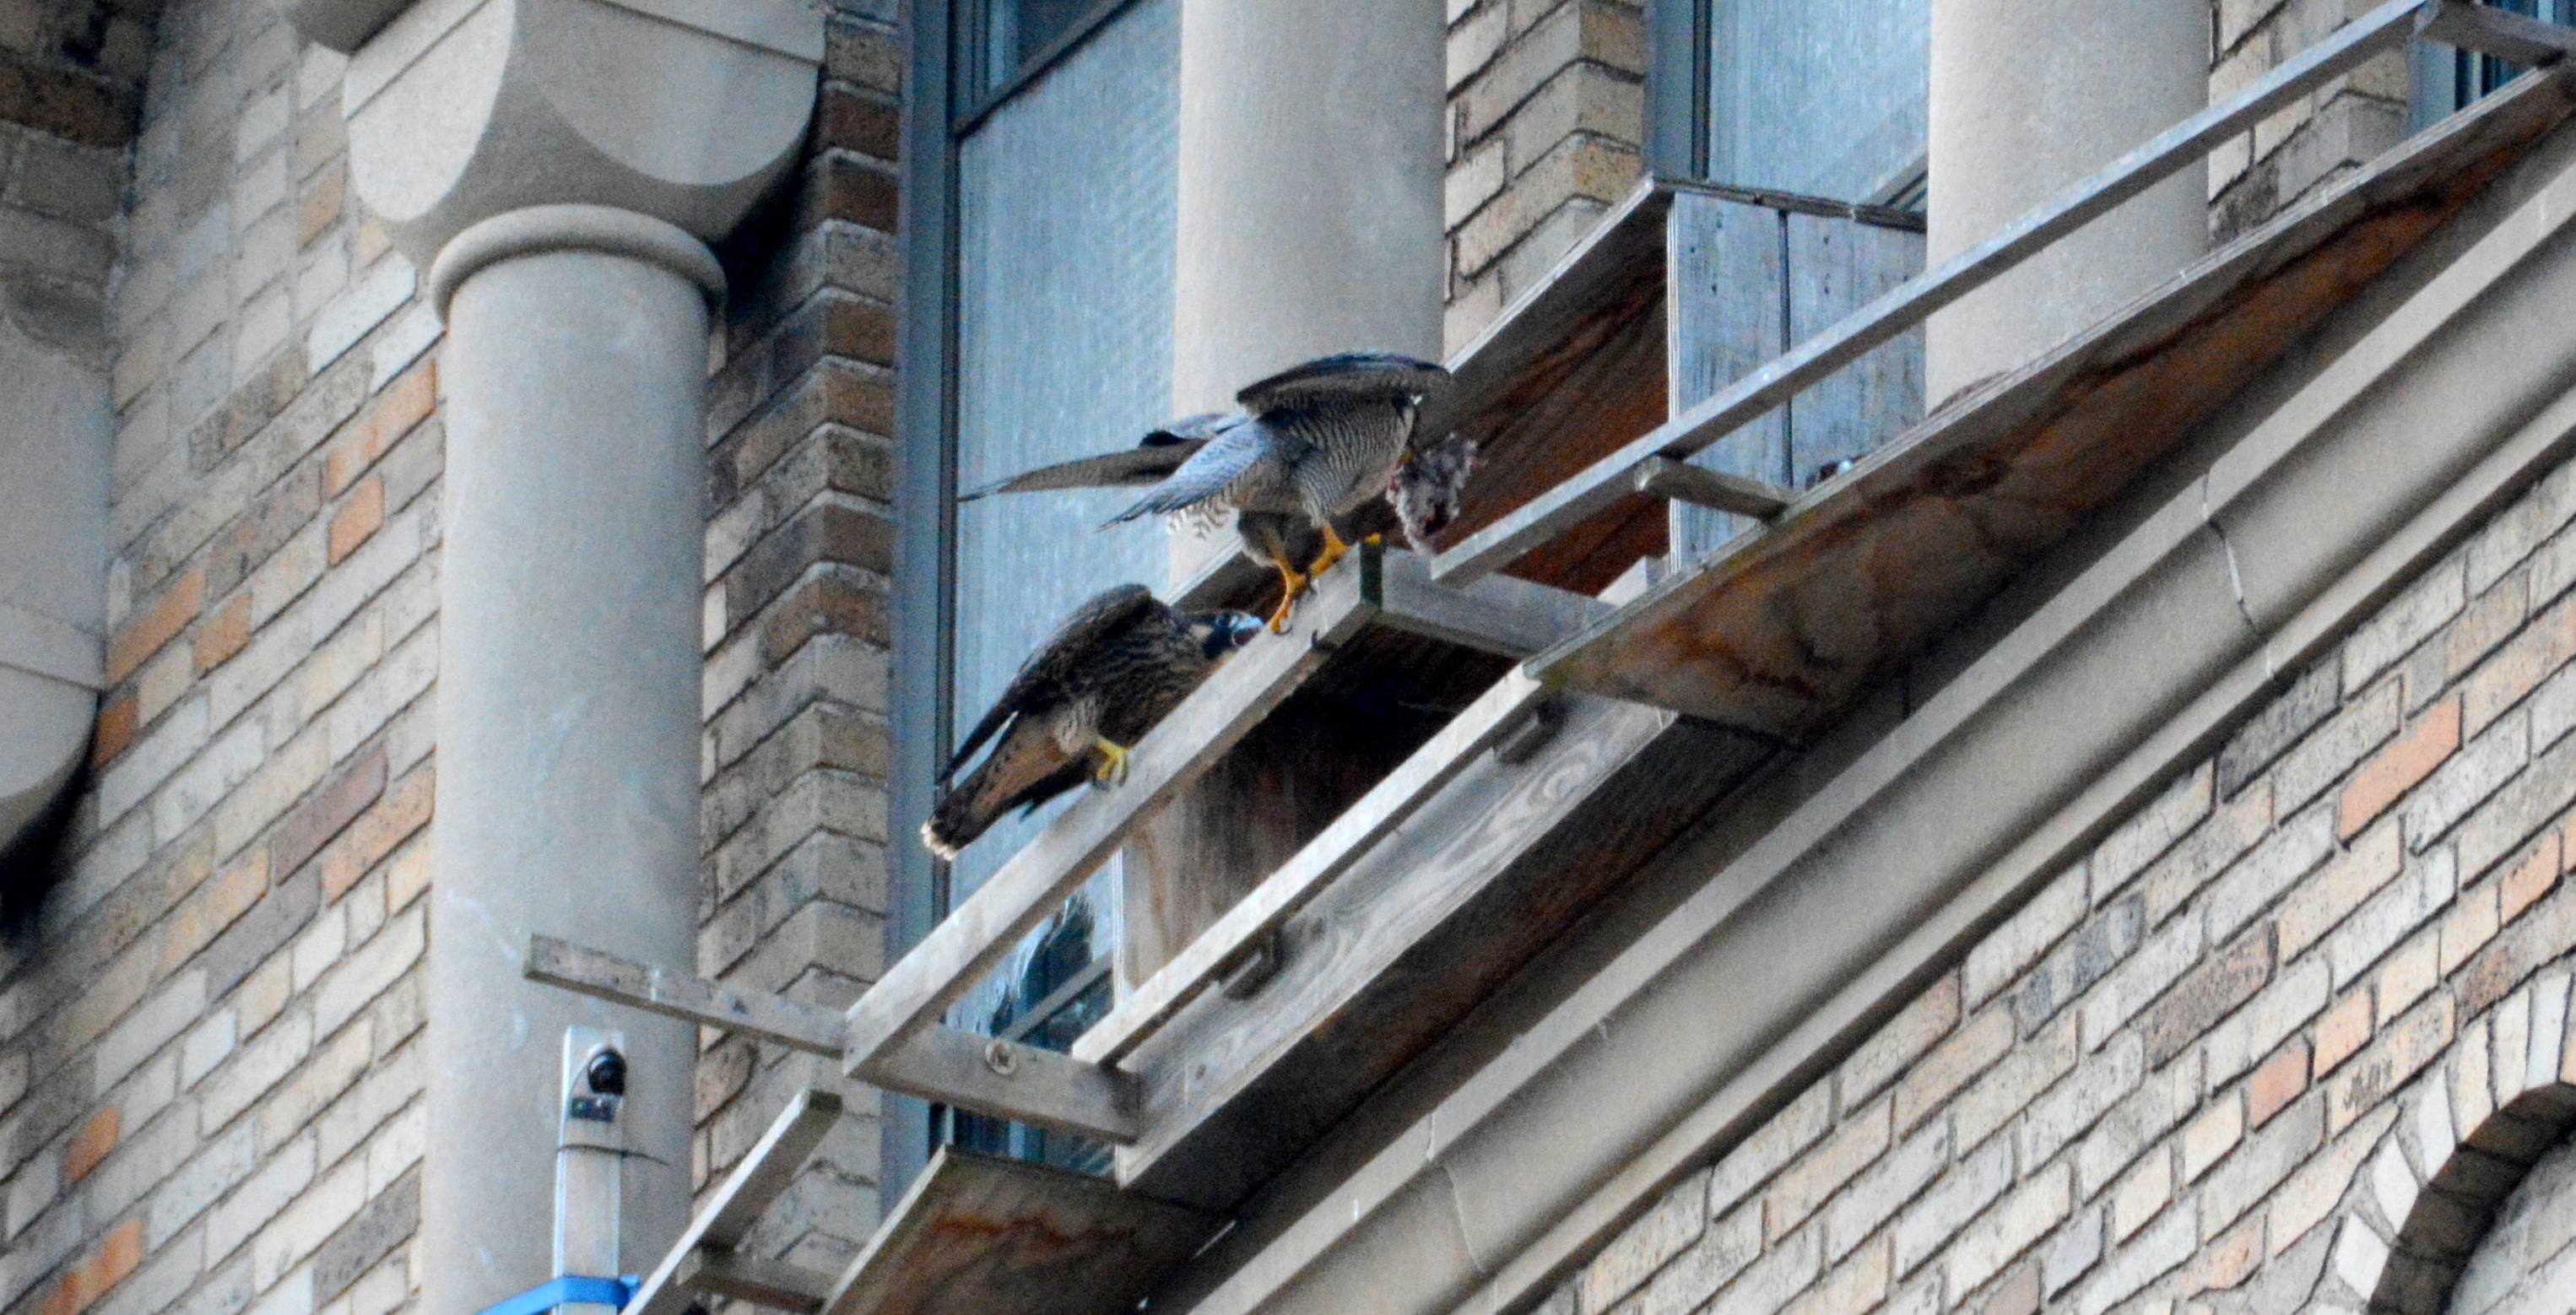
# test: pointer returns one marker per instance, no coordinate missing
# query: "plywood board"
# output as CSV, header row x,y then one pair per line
x,y
980,1235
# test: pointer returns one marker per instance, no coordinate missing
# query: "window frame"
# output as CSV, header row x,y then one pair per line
x,y
942,107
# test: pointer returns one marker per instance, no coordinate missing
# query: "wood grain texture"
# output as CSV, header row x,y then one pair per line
x,y
1245,926
1506,538
980,1235
1726,311
1426,651
1835,267
1488,870
1780,631
973,939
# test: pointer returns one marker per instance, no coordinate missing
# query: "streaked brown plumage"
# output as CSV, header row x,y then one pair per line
x,y
1117,666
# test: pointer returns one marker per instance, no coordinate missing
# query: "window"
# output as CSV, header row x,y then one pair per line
x,y
1794,96
1051,327
2447,79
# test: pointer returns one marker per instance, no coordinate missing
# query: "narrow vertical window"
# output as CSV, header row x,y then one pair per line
x,y
1064,133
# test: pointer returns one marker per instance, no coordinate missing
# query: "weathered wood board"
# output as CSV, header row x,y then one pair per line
x,y
1781,630
1575,509
1744,283
980,1235
1416,930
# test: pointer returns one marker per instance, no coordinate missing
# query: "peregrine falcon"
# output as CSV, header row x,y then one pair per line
x,y
1311,444
1114,668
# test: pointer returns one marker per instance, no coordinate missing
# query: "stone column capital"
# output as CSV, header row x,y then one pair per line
x,y
599,228
681,111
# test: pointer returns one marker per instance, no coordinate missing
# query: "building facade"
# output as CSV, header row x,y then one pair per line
x,y
2162,912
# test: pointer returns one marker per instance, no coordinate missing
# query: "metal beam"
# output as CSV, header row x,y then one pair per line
x,y
765,1172
1000,1078
2499,32
1747,399
911,998
1679,481
680,995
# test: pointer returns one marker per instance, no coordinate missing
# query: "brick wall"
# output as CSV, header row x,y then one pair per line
x,y
2325,134
1546,113
209,1084
798,559
74,69
2158,1085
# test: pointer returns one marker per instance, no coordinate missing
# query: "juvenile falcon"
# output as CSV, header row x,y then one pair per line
x,y
1311,444
1114,668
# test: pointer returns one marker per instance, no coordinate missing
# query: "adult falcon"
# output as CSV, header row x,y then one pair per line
x,y
1112,670
1311,444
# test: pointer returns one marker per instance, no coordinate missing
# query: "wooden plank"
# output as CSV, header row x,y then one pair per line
x,y
1557,306
1835,267
772,1283
2502,33
1726,305
1250,922
980,1235
814,1030
1600,485
1011,1082
728,1216
1697,486
1779,633
1571,370
915,992
1506,617
1419,928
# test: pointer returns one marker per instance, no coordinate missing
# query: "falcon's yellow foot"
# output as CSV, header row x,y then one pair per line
x,y
1334,548
1292,584
1113,762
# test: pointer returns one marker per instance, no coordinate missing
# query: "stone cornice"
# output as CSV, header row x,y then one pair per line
x,y
683,111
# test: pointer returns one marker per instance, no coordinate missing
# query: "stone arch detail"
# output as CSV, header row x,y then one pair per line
x,y
2468,1132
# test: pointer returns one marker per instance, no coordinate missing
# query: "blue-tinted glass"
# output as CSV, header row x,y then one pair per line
x,y
1066,214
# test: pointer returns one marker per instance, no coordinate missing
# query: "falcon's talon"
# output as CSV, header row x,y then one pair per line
x,y
1113,762
1334,549
1292,585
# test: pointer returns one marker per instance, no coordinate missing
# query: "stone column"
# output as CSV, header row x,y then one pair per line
x,y
54,440
559,167
2028,98
1309,193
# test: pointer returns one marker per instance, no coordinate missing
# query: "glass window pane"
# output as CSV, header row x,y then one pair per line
x,y
1065,263
1822,99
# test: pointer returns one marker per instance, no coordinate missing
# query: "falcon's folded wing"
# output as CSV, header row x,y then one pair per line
x,y
1072,643
1346,377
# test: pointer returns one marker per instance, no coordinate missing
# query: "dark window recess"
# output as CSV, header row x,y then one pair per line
x,y
1059,993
